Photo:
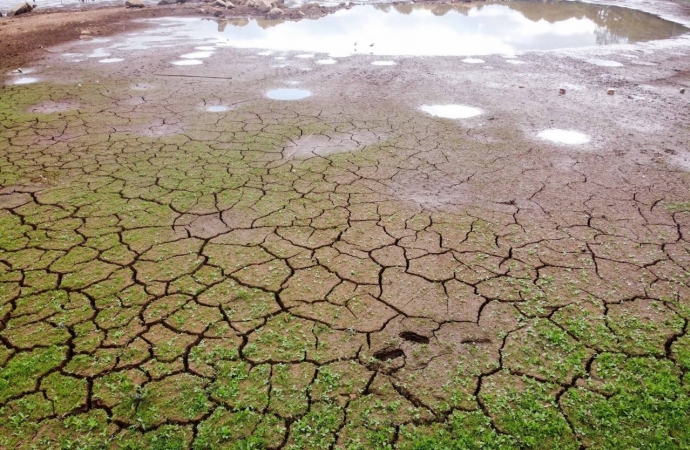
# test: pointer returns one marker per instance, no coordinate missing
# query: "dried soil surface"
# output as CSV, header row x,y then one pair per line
x,y
343,271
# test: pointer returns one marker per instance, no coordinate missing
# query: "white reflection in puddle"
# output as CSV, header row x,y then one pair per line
x,y
567,137
383,63
473,61
288,94
326,61
25,80
99,53
305,55
515,62
187,62
217,108
111,60
451,111
205,48
265,53
197,55
429,30
604,63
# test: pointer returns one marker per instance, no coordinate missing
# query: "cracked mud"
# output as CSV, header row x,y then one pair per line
x,y
344,271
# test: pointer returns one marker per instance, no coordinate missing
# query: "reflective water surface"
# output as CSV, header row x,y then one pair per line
x,y
458,29
288,94
568,137
451,111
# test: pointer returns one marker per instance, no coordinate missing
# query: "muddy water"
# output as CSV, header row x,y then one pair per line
x,y
428,30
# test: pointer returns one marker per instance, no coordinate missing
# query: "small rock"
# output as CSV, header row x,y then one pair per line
x,y
229,5
521,87
301,13
275,13
166,2
264,6
682,90
220,3
561,91
134,4
201,11
611,91
21,8
218,13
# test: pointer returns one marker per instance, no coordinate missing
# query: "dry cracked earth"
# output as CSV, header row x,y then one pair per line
x,y
343,271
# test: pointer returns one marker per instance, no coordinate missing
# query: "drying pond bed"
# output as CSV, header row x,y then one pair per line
x,y
260,250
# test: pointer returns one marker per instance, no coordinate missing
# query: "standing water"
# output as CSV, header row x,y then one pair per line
x,y
429,30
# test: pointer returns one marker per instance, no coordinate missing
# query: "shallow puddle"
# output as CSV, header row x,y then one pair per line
x,y
451,111
604,63
567,137
187,62
427,30
288,94
216,108
25,80
197,55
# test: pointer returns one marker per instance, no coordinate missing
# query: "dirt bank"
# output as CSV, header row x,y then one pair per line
x,y
26,37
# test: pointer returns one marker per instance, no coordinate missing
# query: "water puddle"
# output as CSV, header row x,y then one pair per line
x,y
604,63
383,63
473,61
288,94
99,53
451,111
187,62
567,137
25,80
466,30
111,60
197,55
217,108
326,61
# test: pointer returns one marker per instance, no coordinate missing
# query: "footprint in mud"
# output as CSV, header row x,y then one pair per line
x,y
389,354
411,336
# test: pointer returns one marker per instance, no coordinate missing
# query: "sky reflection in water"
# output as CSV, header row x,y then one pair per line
x,y
434,30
